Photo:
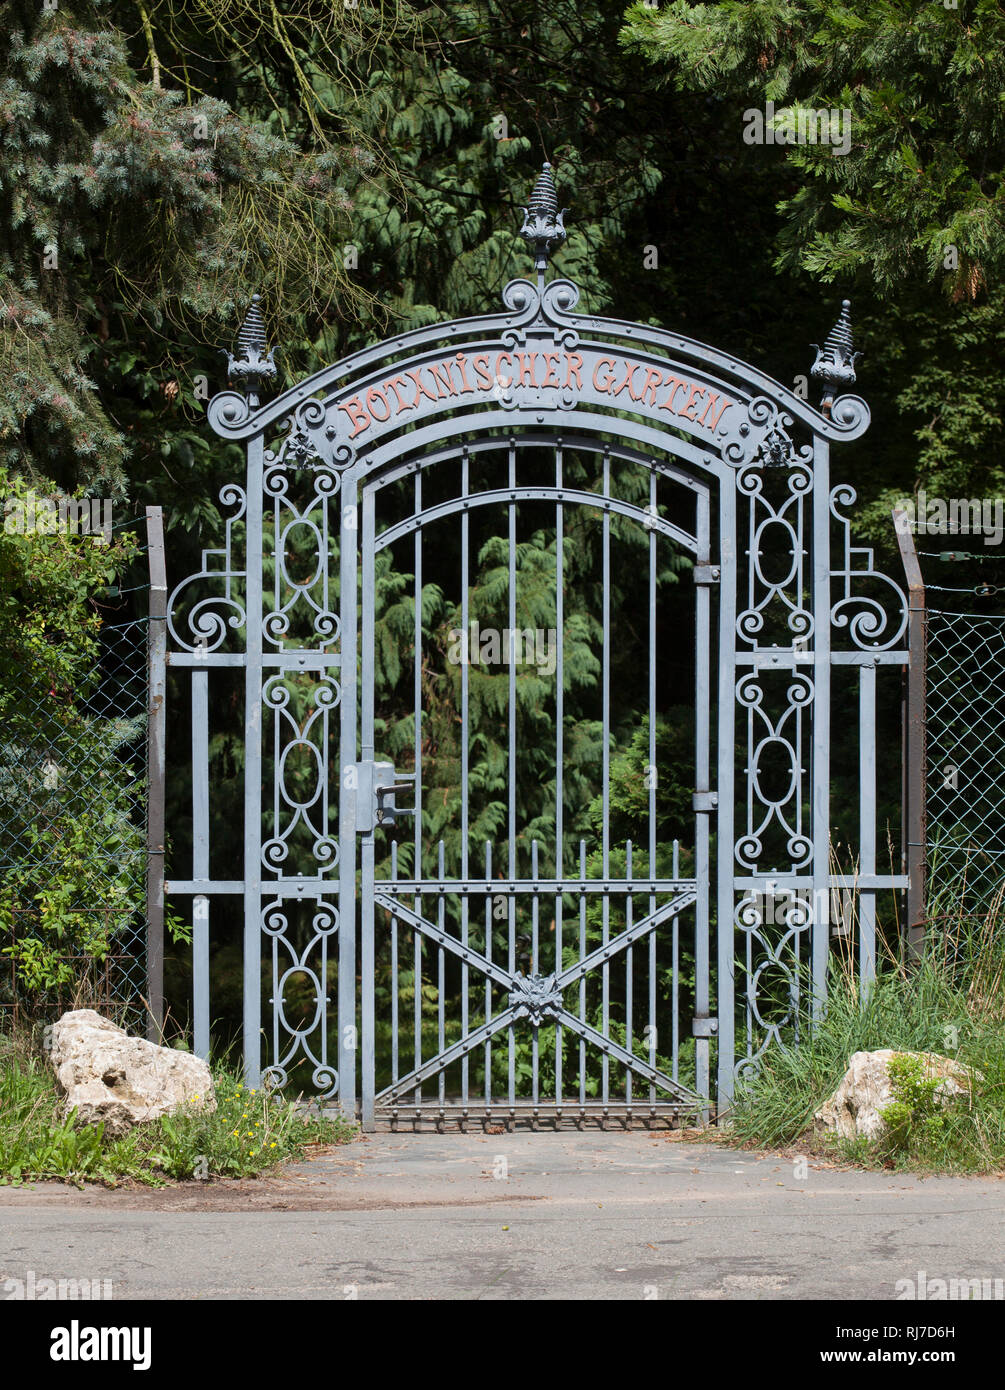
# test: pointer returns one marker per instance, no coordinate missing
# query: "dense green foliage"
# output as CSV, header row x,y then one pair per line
x,y
914,206
922,84
364,167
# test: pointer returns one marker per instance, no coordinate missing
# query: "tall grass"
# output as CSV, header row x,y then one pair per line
x,y
248,1132
951,1001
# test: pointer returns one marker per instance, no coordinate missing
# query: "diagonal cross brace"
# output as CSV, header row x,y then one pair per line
x,y
466,953
510,1015
621,1054
451,1054
506,1019
642,927
598,957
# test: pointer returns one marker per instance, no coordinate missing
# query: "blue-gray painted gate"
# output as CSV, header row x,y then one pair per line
x,y
534,970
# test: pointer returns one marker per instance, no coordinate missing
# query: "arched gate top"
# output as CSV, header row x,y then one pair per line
x,y
537,362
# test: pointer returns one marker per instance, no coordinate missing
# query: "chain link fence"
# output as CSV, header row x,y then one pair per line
x,y
966,757
73,837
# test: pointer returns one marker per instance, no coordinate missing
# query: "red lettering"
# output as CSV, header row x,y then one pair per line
x,y
609,378
393,385
440,372
653,379
573,366
549,359
525,369
420,390
461,364
357,415
627,382
376,394
676,383
691,405
713,400
481,366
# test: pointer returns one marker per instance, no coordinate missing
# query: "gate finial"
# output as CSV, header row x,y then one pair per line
x,y
835,364
254,360
543,225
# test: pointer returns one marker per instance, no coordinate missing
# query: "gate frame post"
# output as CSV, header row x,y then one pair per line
x,y
156,769
914,734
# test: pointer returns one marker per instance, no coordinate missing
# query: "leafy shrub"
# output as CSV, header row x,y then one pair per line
x,y
914,1105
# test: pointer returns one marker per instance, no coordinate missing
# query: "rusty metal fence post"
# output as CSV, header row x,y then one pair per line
x,y
915,751
156,679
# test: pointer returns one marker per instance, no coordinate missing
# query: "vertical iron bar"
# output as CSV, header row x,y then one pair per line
x,y
200,861
466,653
820,803
512,757
367,962
867,823
702,732
653,780
156,767
915,750
489,911
441,981
605,906
725,743
417,868
629,874
348,620
559,742
582,978
395,983
534,970
675,949
252,1023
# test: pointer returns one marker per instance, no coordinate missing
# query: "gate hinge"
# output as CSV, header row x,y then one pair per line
x,y
703,1026
705,801
376,785
706,574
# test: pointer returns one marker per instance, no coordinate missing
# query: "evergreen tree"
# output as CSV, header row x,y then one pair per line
x,y
137,215
918,191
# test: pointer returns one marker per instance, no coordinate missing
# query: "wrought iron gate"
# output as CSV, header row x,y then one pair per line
x,y
450,903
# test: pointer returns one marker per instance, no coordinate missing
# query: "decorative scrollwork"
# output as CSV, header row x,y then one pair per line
x,y
300,742
208,627
549,308
850,414
228,411
300,962
775,530
773,969
762,438
775,743
869,622
301,534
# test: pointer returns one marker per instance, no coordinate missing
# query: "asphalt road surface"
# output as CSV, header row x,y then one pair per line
x,y
520,1216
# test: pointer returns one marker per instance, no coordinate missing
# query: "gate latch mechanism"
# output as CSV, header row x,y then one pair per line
x,y
703,1026
376,786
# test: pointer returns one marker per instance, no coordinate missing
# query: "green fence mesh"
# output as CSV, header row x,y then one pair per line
x,y
73,805
966,757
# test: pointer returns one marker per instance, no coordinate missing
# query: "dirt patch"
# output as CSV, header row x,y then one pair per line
x,y
283,1189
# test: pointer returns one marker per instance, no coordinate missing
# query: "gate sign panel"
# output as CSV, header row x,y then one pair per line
x,y
535,621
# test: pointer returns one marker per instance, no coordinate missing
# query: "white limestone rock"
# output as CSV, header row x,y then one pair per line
x,y
107,1075
853,1111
